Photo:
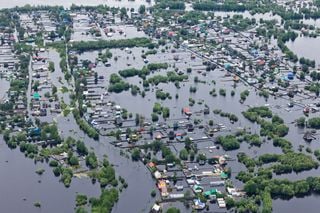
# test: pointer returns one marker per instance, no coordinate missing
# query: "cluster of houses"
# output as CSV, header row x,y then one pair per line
x,y
186,183
41,95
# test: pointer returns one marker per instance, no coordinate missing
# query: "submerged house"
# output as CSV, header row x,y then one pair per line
x,y
187,111
198,205
162,186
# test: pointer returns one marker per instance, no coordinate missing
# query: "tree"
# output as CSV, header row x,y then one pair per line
x,y
135,154
81,200
53,163
314,122
142,9
81,148
301,188
183,154
51,66
165,112
301,122
187,143
137,119
173,210
73,160
105,202
54,90
91,160
201,157
123,13
251,188
228,142
154,117
192,155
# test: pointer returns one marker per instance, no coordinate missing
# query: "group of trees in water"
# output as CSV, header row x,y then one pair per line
x,y
145,71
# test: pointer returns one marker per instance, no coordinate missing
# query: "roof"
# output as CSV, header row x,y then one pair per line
x,y
186,109
36,95
151,164
156,207
162,184
223,175
211,192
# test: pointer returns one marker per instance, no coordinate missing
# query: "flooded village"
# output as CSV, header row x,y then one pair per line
x,y
166,106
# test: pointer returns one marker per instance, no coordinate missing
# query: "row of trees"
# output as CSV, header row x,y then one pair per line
x,y
145,71
83,46
117,85
170,77
84,126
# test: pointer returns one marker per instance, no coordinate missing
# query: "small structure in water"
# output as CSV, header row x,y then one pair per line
x,y
308,136
198,205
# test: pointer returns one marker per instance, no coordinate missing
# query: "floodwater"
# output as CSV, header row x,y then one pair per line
x,y
111,3
20,187
306,47
309,204
4,86
137,104
247,14
228,104
19,182
313,22
136,175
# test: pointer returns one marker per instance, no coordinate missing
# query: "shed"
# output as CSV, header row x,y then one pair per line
x,y
36,96
290,75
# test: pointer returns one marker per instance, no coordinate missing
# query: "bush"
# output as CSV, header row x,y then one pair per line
x,y
301,122
222,92
81,200
154,117
91,160
228,142
153,193
135,154
53,163
314,122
